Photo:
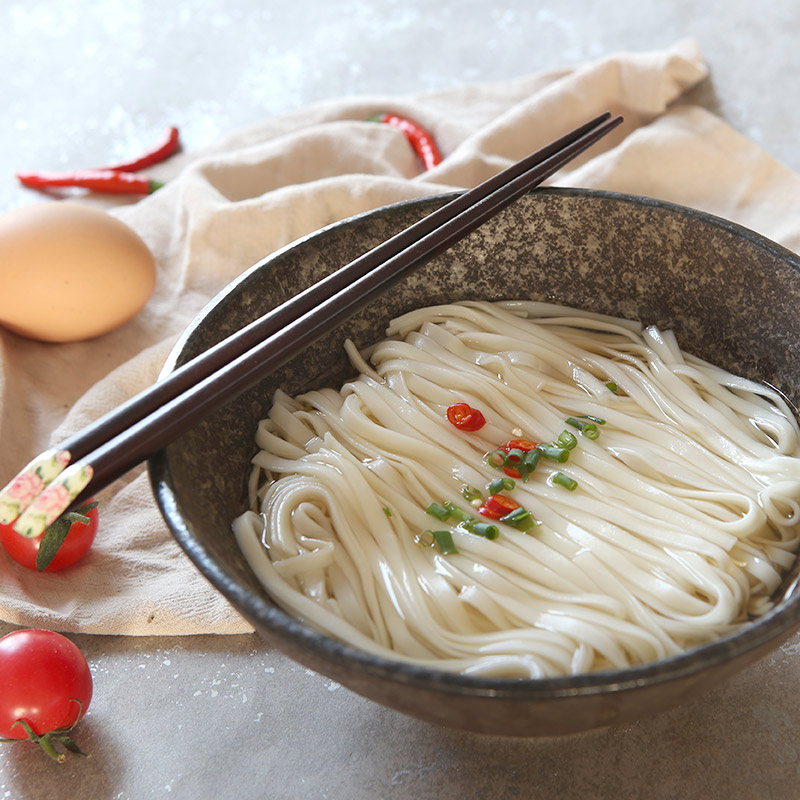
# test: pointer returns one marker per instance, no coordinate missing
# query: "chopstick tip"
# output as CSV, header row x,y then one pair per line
x,y
29,483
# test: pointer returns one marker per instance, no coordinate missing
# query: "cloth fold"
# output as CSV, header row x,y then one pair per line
x,y
260,188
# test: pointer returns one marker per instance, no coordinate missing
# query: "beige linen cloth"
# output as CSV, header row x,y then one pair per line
x,y
225,208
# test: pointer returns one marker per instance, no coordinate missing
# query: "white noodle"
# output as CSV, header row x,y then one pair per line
x,y
683,522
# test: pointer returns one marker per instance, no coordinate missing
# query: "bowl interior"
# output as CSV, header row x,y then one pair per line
x,y
730,295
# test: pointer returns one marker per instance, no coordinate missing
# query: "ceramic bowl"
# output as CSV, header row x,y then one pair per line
x,y
731,296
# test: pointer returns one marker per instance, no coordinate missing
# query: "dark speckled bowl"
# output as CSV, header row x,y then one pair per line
x,y
730,295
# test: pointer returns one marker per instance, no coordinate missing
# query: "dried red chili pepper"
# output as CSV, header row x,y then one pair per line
x,y
103,180
422,141
167,146
465,418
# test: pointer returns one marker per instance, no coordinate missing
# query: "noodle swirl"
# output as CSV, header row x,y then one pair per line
x,y
684,519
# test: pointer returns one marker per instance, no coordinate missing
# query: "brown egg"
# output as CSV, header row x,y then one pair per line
x,y
70,272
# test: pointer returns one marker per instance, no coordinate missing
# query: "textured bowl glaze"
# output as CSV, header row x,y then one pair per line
x,y
730,295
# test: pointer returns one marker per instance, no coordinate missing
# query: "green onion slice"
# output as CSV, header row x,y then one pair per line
x,y
588,429
513,457
529,463
496,459
566,439
455,512
520,519
560,454
596,420
485,529
425,539
500,485
470,493
438,511
564,480
444,541
613,387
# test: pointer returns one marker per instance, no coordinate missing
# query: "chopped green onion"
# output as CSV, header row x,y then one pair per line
x,y
471,493
425,539
613,387
560,454
444,541
564,480
567,440
519,518
513,457
596,420
485,529
492,458
455,511
517,513
500,485
387,511
529,463
588,429
438,511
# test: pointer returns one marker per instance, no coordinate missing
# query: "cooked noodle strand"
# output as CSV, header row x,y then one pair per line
x,y
684,519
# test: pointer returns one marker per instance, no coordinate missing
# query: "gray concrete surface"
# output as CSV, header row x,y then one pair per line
x,y
87,81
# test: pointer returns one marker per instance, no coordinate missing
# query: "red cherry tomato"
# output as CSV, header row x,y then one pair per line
x,y
516,444
77,543
497,506
465,418
45,681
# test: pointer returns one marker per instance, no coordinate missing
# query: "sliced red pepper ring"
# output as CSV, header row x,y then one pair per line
x,y
497,506
464,417
521,446
514,457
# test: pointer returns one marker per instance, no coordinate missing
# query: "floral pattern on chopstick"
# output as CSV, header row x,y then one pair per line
x,y
30,482
54,500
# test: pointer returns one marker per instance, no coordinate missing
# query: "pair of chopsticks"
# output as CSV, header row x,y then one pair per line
x,y
65,476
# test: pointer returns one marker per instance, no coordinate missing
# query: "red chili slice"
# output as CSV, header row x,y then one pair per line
x,y
516,444
498,505
519,444
465,418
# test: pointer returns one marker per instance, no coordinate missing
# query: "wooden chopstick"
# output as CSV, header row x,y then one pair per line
x,y
217,356
136,430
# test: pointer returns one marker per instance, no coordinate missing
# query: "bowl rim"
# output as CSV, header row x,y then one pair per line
x,y
770,628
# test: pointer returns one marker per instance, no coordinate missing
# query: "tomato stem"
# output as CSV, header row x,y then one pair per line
x,y
45,741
